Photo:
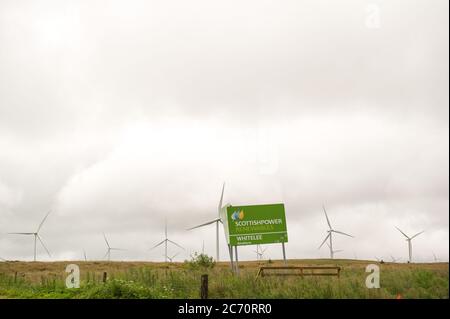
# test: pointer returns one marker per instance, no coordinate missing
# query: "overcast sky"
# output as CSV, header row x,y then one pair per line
x,y
117,115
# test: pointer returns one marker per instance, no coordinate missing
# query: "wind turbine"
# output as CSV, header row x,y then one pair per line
x,y
108,252
165,241
435,258
216,221
84,253
36,236
334,251
408,239
329,237
171,258
259,252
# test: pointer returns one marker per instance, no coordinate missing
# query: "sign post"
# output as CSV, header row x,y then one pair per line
x,y
254,225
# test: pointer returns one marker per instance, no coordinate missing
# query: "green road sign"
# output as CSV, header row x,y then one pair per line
x,y
256,224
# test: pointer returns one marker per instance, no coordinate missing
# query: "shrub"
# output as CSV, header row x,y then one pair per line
x,y
200,261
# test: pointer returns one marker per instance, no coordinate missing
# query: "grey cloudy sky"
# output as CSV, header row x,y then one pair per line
x,y
117,115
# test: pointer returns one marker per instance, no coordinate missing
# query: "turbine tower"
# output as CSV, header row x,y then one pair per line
x,y
108,252
36,237
217,221
408,239
329,237
165,242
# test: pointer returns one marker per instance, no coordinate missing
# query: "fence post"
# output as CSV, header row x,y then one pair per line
x,y
105,276
204,287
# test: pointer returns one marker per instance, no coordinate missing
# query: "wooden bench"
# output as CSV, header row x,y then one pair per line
x,y
300,271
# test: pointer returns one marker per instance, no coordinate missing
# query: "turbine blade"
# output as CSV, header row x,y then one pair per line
x,y
326,215
417,234
342,233
402,232
207,223
175,243
324,241
106,240
221,198
107,252
162,242
42,243
21,233
42,222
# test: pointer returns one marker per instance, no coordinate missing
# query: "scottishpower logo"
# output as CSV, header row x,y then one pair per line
x,y
237,215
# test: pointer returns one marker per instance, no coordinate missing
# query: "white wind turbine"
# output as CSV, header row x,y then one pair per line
x,y
171,258
435,257
408,239
216,221
334,251
329,237
260,252
36,237
165,242
108,252
394,260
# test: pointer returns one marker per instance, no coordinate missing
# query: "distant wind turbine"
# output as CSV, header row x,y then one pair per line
x,y
435,258
84,253
409,239
394,260
165,242
216,221
329,237
108,252
171,258
334,251
36,237
260,252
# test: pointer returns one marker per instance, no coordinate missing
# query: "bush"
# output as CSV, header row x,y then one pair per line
x,y
200,261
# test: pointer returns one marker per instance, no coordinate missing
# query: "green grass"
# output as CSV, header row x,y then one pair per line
x,y
147,280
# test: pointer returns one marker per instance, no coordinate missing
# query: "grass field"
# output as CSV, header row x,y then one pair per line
x,y
178,280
